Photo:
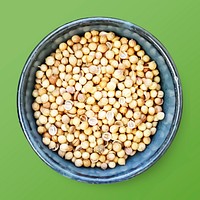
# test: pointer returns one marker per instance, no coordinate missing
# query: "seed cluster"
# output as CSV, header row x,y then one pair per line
x,y
97,99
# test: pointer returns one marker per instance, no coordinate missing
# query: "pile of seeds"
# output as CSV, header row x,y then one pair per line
x,y
97,99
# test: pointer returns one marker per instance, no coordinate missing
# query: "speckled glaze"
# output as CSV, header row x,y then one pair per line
x,y
170,83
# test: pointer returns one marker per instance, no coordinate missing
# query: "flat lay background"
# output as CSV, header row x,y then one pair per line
x,y
23,24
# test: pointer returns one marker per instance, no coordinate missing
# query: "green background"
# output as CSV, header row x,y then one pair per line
x,y
24,23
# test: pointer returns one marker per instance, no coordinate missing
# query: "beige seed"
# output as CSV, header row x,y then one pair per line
x,y
151,110
90,100
92,46
146,140
64,147
106,136
121,161
160,94
85,144
122,137
158,101
70,89
149,103
104,61
59,100
160,115
109,54
117,146
83,125
139,134
52,145
62,139
50,60
114,128
52,130
121,153
72,60
92,121
104,166
153,130
126,92
102,114
111,86
134,146
122,100
89,113
128,83
112,164
131,124
68,155
110,156
123,54
70,137
85,155
45,83
142,126
68,105
102,48
109,115
42,119
94,157
46,140
78,162
133,59
141,146
93,69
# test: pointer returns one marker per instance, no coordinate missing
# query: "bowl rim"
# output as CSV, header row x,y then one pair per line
x,y
176,120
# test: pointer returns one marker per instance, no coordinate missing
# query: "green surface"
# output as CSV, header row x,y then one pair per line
x,y
24,23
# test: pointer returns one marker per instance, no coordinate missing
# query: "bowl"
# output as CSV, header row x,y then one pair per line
x,y
166,129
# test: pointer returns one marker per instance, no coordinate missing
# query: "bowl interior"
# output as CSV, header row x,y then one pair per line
x,y
160,140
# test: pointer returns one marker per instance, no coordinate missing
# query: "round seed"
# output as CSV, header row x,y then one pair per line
x,y
92,121
53,130
106,136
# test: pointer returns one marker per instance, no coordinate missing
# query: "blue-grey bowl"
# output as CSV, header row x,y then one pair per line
x,y
172,106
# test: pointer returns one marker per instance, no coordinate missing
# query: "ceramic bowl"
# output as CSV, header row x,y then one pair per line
x,y
166,129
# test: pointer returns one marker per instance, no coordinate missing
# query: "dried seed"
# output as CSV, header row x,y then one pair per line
x,y
68,105
131,124
109,45
122,100
99,149
117,146
93,69
106,136
83,118
92,121
109,115
71,115
123,55
70,89
119,123
76,95
71,129
56,147
53,130
81,97
104,166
